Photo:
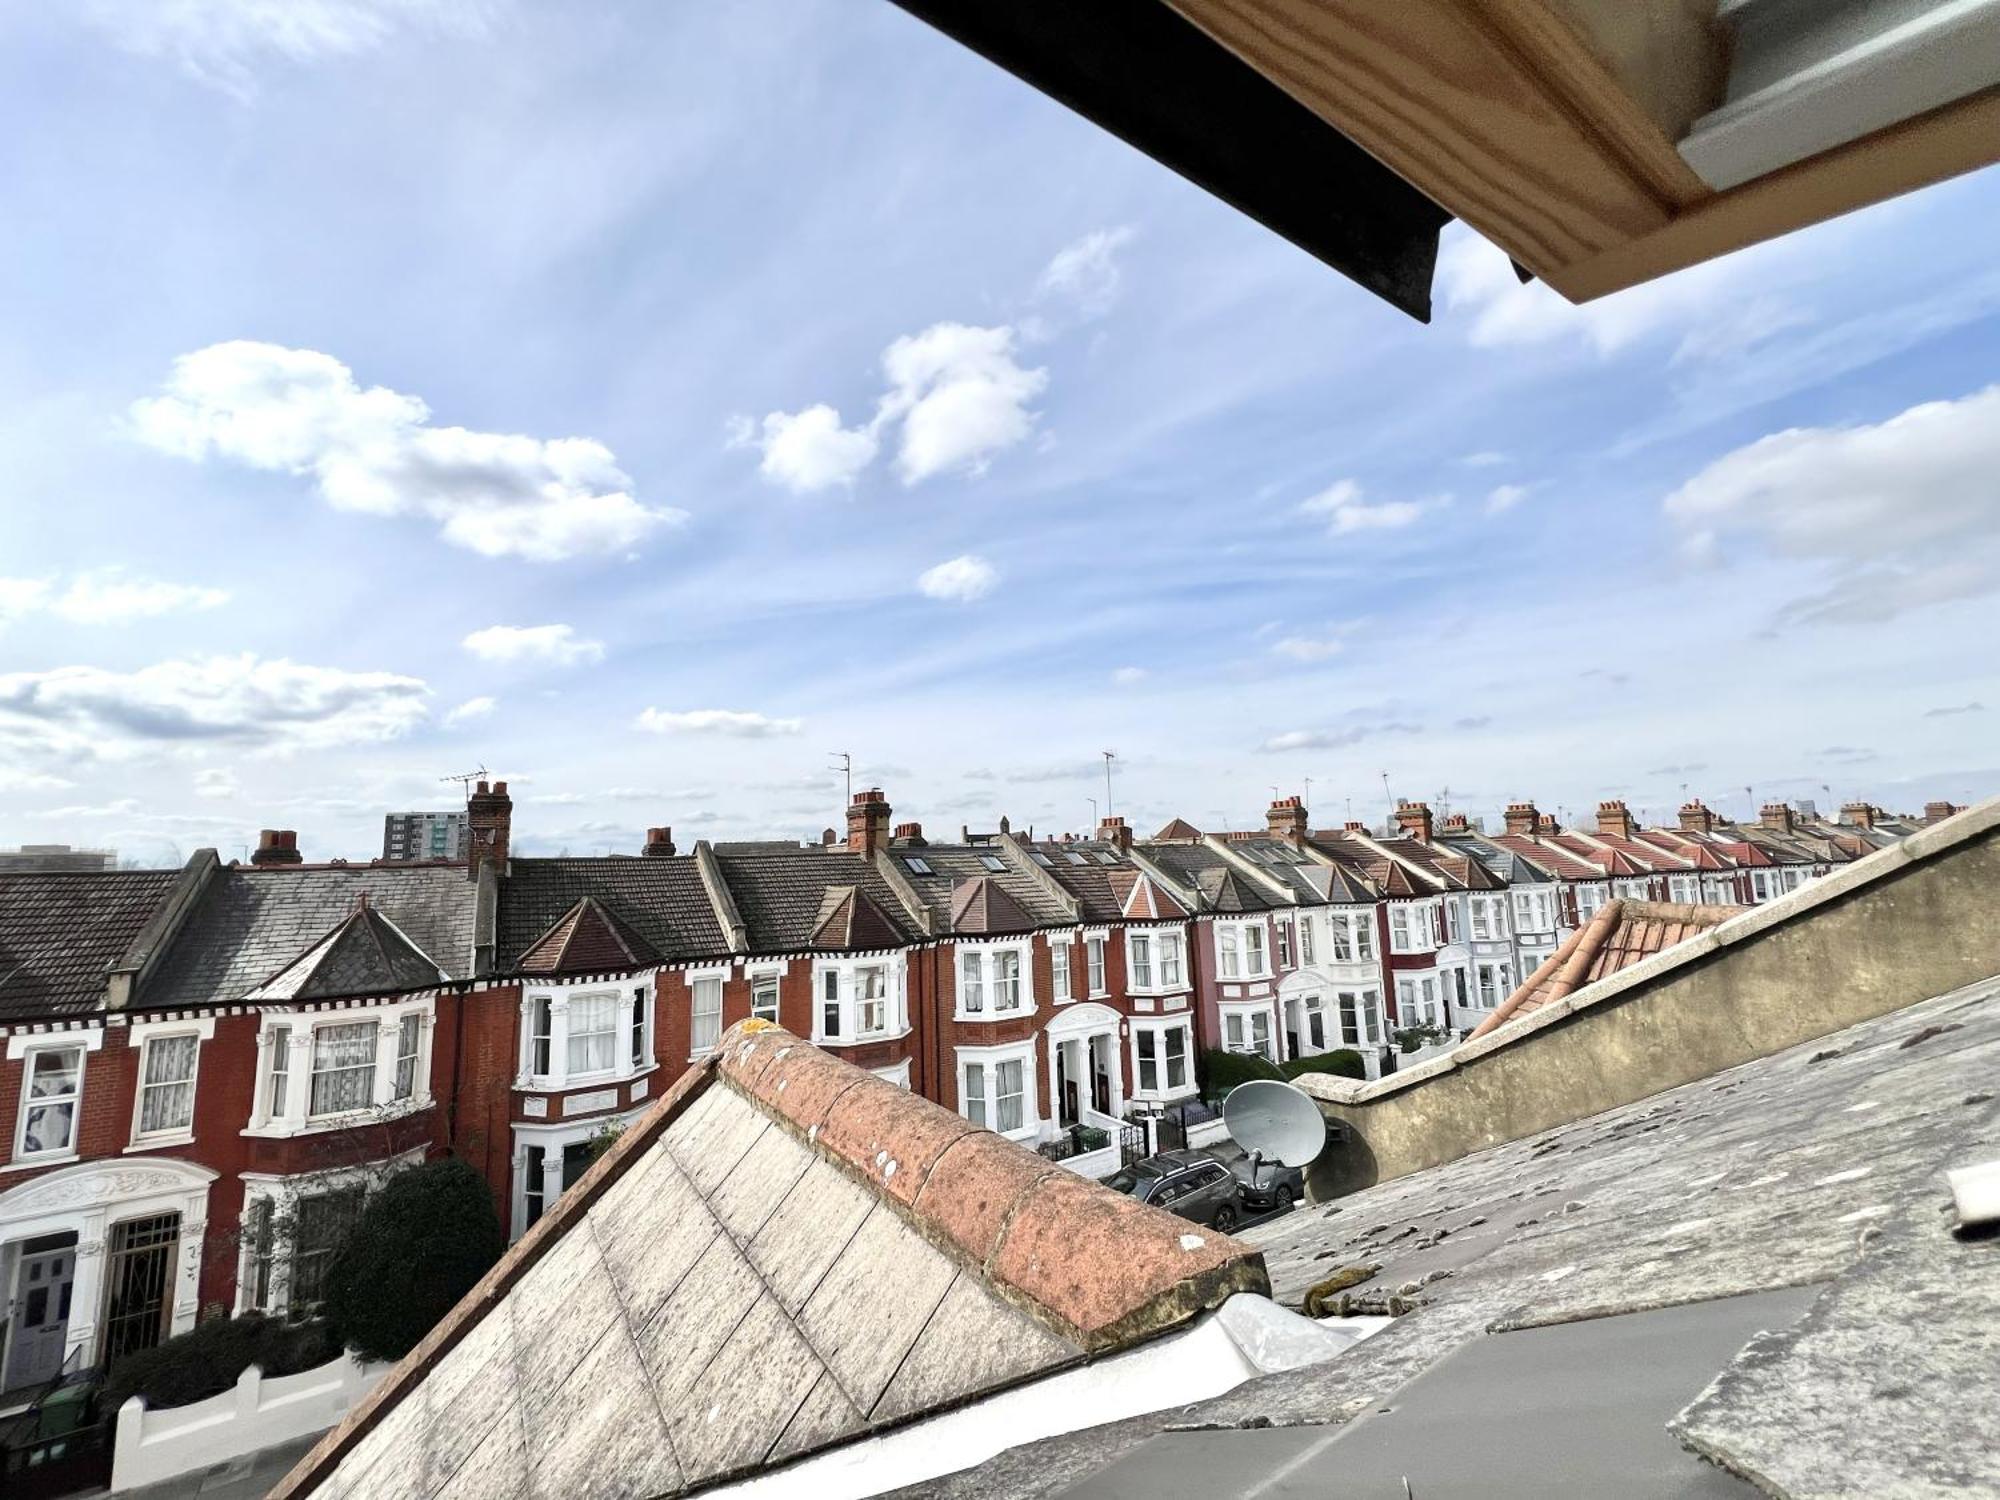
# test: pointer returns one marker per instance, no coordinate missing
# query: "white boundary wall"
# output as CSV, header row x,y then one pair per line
x,y
156,1445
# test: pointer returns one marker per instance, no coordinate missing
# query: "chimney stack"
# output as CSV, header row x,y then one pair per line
x,y
1286,819
489,816
1859,814
1696,817
1614,820
1522,818
910,835
1353,826
1776,816
1545,824
868,822
276,846
1456,823
1937,812
1414,819
659,843
1114,832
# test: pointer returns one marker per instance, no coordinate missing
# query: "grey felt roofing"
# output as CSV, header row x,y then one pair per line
x,y
662,900
59,932
780,894
250,923
732,1300
1817,1166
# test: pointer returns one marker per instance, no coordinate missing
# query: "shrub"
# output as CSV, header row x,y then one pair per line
x,y
1343,1062
1223,1071
427,1235
1415,1038
206,1360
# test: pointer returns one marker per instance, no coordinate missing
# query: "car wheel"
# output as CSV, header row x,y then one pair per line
x,y
1225,1218
1284,1200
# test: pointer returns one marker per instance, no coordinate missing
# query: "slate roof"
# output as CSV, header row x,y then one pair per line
x,y
252,922
60,932
741,1281
981,905
1279,860
953,864
661,903
1618,935
1380,871
1513,865
1557,860
587,939
1090,882
1223,888
781,894
364,955
1818,1167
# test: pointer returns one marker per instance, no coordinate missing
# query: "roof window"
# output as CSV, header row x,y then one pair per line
x,y
918,864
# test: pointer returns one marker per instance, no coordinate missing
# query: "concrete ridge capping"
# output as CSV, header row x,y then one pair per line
x,y
1186,894
1898,927
1267,882
915,908
721,900
1093,1265
1023,861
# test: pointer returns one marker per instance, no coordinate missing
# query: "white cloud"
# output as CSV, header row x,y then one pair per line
x,y
1307,648
809,450
546,645
297,411
734,723
1129,676
237,699
1345,511
961,580
1085,272
961,398
1486,458
1334,739
1503,498
1899,513
470,710
31,781
215,782
105,597
222,43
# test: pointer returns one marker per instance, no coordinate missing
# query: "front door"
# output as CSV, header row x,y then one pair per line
x,y
1292,1047
1100,1073
38,1313
1067,1089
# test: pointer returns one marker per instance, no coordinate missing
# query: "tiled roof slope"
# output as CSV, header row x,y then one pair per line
x,y
1617,936
1089,882
662,901
1223,888
364,955
851,922
1179,830
59,932
250,923
587,939
982,905
781,893
783,1254
953,864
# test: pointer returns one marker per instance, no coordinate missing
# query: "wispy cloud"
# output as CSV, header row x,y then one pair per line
x,y
1344,510
959,580
471,711
729,722
546,645
1952,710
106,597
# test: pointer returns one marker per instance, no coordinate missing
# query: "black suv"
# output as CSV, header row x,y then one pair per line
x,y
1190,1183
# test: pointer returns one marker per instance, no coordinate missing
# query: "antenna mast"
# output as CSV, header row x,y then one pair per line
x,y
1109,756
846,768
465,780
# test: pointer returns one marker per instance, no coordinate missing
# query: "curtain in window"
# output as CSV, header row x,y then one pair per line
x,y
593,1033
973,1096
1007,1080
343,1068
707,1024
166,1092
407,1032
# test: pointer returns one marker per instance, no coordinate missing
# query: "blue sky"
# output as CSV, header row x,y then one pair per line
x,y
646,401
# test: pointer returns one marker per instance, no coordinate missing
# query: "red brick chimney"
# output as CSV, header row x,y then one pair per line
x,y
1937,812
276,846
909,834
1697,817
1859,814
1545,824
1353,826
1414,818
1286,819
659,843
1776,816
868,822
1522,818
1114,832
1614,820
1456,823
490,821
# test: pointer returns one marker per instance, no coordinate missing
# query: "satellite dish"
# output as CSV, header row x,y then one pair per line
x,y
1275,1121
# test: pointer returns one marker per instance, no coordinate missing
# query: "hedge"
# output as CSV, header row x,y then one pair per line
x,y
1223,1071
1343,1062
206,1360
426,1237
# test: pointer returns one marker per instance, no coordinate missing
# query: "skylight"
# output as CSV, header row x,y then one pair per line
x,y
993,861
1074,857
918,865
1105,857
1043,859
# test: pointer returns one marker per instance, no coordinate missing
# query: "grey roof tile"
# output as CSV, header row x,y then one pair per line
x,y
60,932
663,901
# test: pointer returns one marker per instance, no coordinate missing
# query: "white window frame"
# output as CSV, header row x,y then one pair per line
x,y
985,991
64,1041
300,1028
1591,897
283,1195
1240,1028
1419,1000
1163,1086
1307,954
988,1061
1419,927
1363,1005
766,996
1491,984
140,1038
1351,934
1684,888
557,1001
1238,958
1171,956
1062,983
847,999
700,983
1096,965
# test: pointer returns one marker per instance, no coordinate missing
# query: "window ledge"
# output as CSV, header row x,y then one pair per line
x,y
158,1142
33,1162
374,1115
868,1039
978,1016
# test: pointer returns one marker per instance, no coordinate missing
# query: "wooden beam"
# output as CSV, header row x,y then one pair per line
x,y
1945,143
1427,88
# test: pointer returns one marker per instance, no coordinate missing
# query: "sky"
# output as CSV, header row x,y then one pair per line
x,y
653,404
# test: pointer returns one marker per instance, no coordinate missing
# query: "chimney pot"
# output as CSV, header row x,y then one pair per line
x,y
659,843
1112,830
1521,818
1414,818
1937,812
1776,816
1614,820
276,846
489,817
1286,819
868,822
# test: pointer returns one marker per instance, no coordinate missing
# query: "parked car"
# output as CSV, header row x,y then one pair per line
x,y
1192,1184
1264,1187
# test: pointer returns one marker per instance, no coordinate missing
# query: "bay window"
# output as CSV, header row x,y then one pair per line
x,y
1411,928
542,1037
49,1102
1248,1031
989,981
1254,964
1160,1056
1140,947
705,1015
1170,961
343,1068
1361,1016
1417,1001
1531,912
166,1084
1240,949
318,1073
871,999
593,1033
994,1088
972,981
863,1000
1006,980
1588,899
408,1035
1494,985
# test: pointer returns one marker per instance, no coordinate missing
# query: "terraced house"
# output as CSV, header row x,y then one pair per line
x,y
207,1069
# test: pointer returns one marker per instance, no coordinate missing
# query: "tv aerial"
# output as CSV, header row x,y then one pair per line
x,y
1274,1122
